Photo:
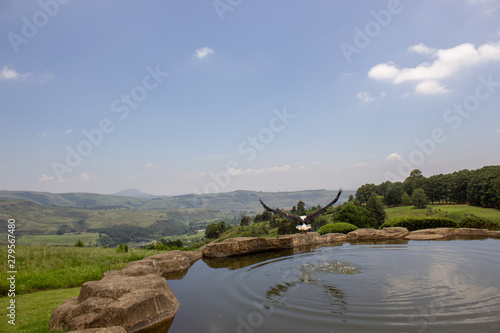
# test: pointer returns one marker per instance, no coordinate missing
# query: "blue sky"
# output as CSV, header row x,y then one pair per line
x,y
175,97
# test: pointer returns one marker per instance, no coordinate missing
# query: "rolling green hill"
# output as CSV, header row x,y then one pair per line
x,y
237,200
42,213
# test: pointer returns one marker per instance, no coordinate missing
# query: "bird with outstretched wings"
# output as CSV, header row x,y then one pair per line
x,y
303,222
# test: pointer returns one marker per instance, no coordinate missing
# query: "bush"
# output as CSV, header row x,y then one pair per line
x,y
472,221
340,227
79,243
417,223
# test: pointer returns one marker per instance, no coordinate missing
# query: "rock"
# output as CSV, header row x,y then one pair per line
x,y
134,298
470,232
114,329
243,245
493,234
429,234
374,234
396,232
333,238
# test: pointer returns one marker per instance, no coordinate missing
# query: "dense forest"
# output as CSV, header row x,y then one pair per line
x,y
479,187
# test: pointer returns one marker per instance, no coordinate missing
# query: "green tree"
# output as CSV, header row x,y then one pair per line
x,y
393,193
79,243
357,215
376,209
81,225
363,193
405,199
301,208
413,181
214,230
245,220
419,199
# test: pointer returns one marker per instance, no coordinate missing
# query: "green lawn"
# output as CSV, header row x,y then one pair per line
x,y
455,212
50,267
33,311
58,240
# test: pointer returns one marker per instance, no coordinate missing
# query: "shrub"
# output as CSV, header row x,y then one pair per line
x,y
340,227
79,243
417,223
472,221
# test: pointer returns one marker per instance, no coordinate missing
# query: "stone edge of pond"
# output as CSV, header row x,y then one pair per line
x,y
138,297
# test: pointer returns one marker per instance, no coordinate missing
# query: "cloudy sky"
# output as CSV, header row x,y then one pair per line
x,y
175,97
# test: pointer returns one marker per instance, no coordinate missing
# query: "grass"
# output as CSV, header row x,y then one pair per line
x,y
58,240
43,268
33,311
454,212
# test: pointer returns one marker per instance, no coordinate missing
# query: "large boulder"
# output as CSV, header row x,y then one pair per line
x,y
470,232
134,298
244,245
133,302
430,234
374,234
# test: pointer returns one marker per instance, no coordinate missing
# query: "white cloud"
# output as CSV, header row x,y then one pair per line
x,y
393,157
447,62
151,165
365,97
84,176
239,172
422,49
45,179
30,77
383,94
69,131
430,87
203,52
43,134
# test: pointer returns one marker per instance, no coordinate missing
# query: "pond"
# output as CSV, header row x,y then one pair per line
x,y
415,286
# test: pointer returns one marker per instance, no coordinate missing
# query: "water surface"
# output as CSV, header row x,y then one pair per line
x,y
424,286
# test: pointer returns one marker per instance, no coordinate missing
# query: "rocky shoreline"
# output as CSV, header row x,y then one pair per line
x,y
138,297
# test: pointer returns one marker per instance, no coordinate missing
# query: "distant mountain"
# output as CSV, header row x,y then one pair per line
x,y
135,199
133,192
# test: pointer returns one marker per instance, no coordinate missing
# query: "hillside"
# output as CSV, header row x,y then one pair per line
x,y
237,200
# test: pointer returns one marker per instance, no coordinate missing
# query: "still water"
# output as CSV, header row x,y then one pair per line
x,y
425,286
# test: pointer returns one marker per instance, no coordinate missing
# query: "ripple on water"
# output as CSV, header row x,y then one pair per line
x,y
432,286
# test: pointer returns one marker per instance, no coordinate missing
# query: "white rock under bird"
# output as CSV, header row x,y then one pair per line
x,y
304,221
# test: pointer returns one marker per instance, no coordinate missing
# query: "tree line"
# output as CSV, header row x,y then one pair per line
x,y
480,187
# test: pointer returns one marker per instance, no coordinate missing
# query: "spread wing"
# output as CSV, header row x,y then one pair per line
x,y
317,213
290,217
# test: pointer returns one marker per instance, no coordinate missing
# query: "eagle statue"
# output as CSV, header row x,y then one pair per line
x,y
303,222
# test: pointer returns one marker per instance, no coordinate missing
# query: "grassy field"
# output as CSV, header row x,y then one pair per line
x,y
58,240
33,311
455,212
43,268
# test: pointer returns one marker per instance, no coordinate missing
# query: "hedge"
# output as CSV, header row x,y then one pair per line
x,y
340,227
417,223
478,223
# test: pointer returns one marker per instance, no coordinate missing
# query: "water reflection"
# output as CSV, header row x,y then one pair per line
x,y
430,286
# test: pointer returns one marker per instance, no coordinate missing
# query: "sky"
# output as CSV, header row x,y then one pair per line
x,y
204,96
